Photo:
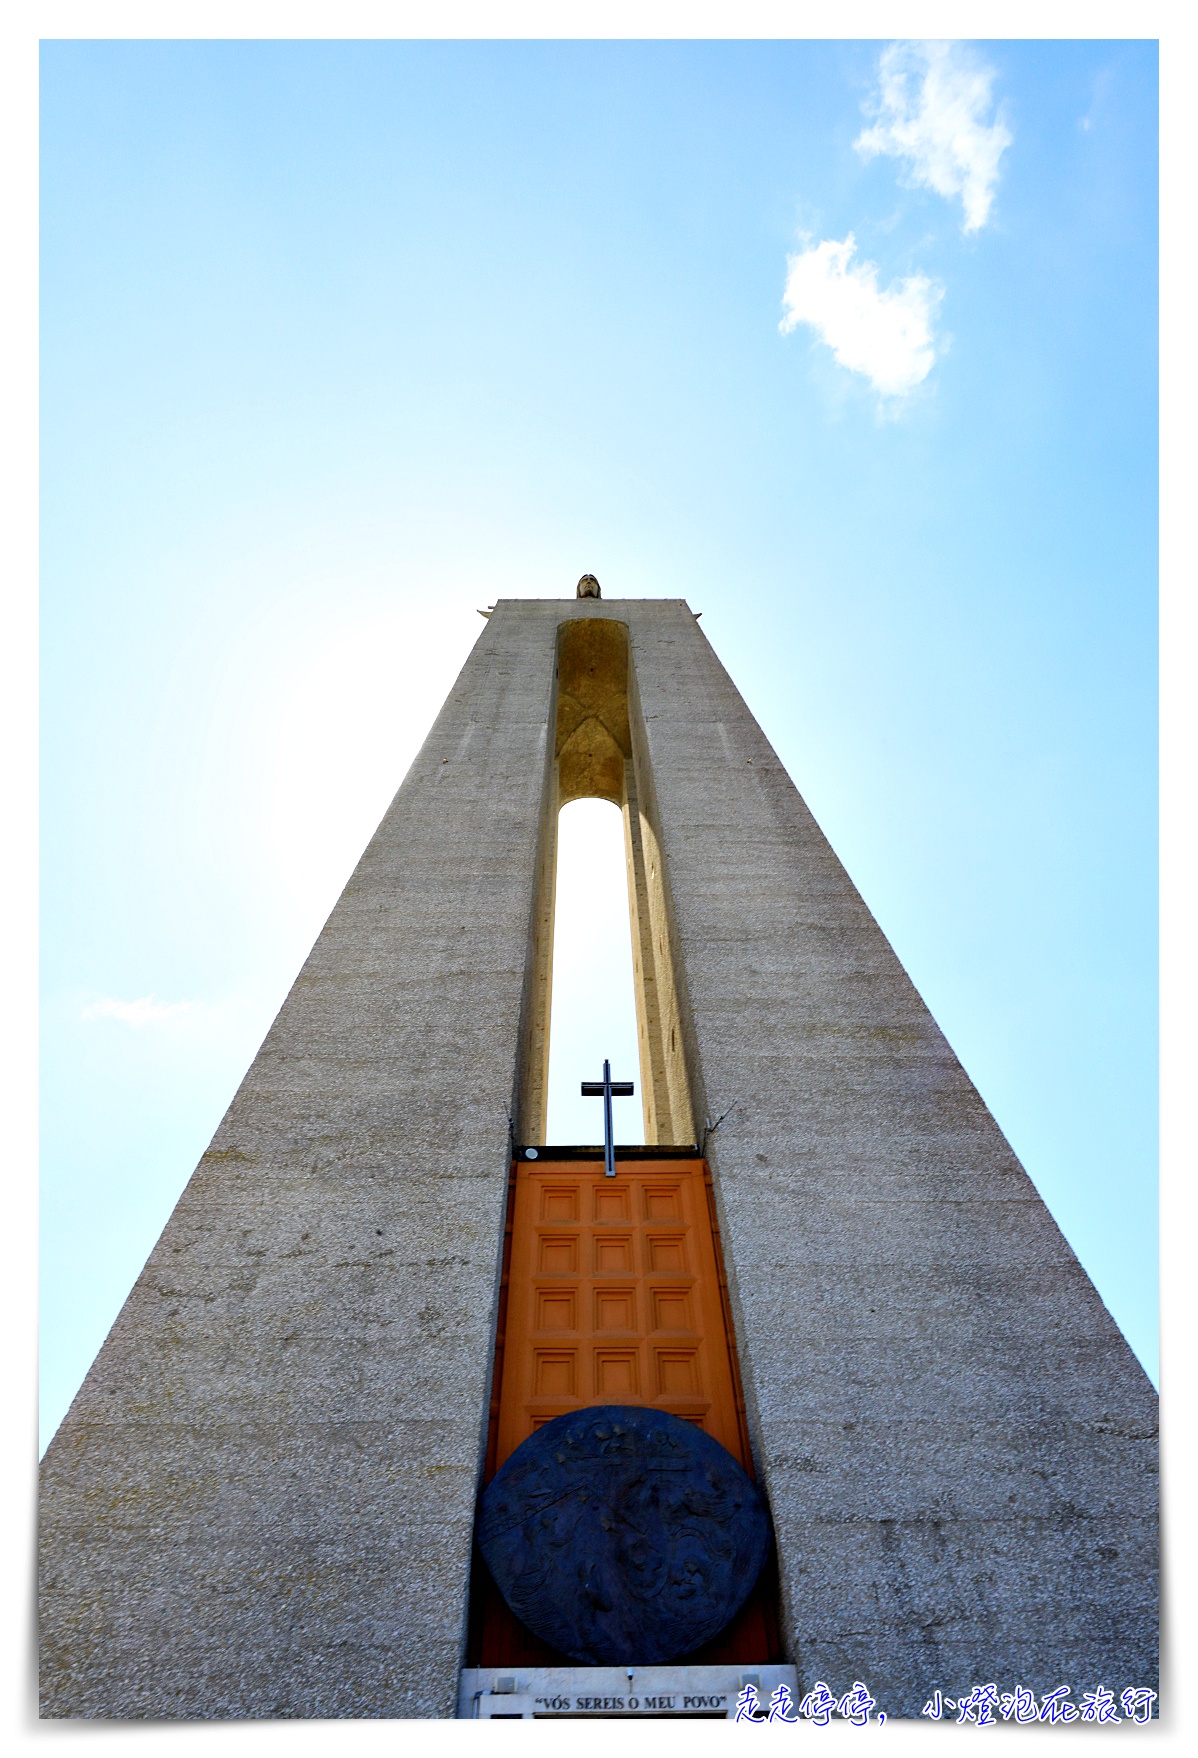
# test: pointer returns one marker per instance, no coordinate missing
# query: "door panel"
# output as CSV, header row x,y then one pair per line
x,y
613,1291
614,1297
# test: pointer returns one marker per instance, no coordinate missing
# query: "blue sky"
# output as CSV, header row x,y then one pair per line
x,y
853,347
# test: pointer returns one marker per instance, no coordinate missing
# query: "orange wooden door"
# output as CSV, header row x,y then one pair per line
x,y
615,1296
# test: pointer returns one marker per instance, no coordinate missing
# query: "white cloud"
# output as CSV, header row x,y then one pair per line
x,y
143,1012
930,105
885,335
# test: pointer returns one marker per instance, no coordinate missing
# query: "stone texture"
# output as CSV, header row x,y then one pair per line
x,y
261,1501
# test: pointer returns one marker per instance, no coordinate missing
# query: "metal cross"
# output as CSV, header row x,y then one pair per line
x,y
609,1089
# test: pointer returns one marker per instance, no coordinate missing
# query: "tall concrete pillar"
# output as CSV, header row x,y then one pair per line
x,y
261,1501
958,1444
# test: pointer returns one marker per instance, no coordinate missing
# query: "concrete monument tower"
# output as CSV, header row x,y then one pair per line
x,y
263,1500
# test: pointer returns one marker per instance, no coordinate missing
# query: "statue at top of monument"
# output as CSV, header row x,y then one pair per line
x,y
588,587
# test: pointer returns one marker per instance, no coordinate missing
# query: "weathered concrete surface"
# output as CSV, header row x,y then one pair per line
x,y
957,1442
261,1501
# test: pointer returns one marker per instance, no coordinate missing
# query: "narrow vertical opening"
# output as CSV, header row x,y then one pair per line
x,y
593,1009
600,754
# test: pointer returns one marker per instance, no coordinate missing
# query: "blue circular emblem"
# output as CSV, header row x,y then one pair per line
x,y
623,1535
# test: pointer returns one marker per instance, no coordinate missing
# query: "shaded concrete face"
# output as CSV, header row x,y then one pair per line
x,y
261,1501
593,741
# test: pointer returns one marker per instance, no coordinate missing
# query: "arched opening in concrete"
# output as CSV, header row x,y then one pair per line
x,y
593,1008
600,753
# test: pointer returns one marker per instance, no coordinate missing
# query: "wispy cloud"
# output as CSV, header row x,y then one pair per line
x,y
930,106
142,1012
886,335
